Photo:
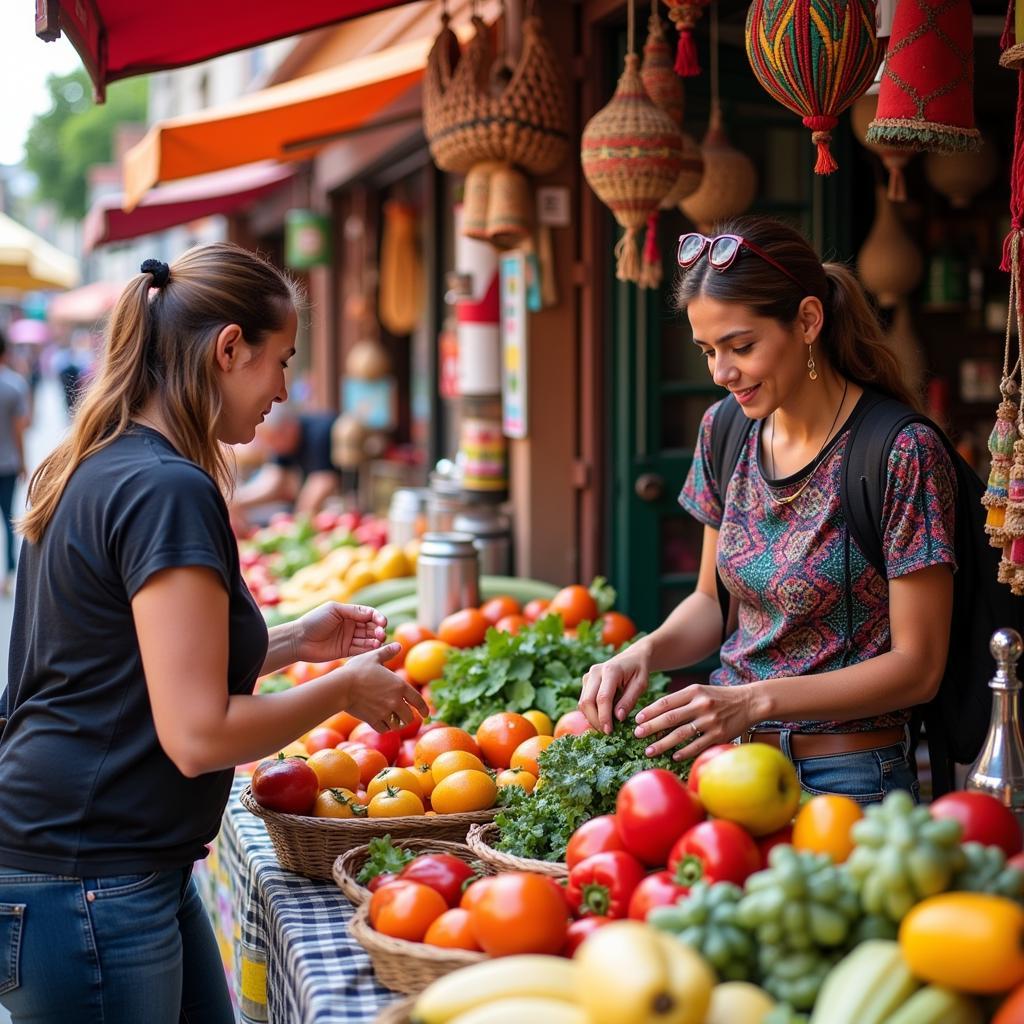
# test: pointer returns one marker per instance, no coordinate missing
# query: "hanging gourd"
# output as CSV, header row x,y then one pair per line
x,y
815,57
961,176
862,113
889,264
632,154
685,14
926,99
400,291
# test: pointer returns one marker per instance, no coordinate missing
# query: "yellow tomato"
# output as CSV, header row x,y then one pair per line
x,y
334,803
425,777
823,826
452,761
464,791
528,751
516,777
334,769
395,778
395,803
541,722
425,662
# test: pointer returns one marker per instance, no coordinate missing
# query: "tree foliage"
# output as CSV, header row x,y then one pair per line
x,y
75,134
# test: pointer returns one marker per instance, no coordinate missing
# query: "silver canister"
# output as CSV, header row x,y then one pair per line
x,y
447,576
407,514
444,502
491,530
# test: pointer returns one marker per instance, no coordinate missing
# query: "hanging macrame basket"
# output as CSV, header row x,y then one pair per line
x,y
815,57
632,154
685,14
526,123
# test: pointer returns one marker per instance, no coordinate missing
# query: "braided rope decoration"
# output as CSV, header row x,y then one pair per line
x,y
815,57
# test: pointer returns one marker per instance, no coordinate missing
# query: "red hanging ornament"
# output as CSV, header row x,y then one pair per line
x,y
685,14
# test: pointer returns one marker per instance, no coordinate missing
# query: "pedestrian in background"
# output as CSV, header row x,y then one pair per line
x,y
14,418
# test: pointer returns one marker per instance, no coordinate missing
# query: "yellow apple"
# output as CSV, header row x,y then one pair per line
x,y
754,785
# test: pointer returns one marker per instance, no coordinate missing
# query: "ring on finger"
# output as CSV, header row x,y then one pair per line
x,y
394,720
696,732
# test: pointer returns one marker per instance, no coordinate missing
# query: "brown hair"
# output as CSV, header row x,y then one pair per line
x,y
160,343
851,336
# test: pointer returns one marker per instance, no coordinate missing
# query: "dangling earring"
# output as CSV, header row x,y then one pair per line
x,y
811,371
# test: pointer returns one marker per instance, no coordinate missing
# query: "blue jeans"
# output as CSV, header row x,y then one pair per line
x,y
123,949
7,482
866,776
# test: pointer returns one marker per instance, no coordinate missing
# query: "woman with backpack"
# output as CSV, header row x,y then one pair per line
x,y
821,654
135,648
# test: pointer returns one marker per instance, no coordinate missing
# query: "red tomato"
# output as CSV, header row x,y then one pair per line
x,y
702,759
766,844
321,738
285,784
407,732
442,872
1011,1010
984,819
598,835
656,890
406,758
716,851
653,809
511,624
499,608
384,878
579,930
603,884
572,723
463,629
519,912
617,628
405,910
535,609
575,604
388,743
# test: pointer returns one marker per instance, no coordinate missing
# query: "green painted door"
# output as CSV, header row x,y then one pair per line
x,y
659,384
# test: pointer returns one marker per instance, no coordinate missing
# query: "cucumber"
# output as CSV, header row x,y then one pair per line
x,y
376,594
935,1005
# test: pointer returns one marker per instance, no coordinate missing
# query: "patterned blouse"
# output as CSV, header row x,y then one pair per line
x,y
786,564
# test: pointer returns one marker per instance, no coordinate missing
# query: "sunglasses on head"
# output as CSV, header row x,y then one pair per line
x,y
722,251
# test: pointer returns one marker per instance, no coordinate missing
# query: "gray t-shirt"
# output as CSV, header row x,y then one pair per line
x,y
13,406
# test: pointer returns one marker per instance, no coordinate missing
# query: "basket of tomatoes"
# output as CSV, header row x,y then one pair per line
x,y
478,840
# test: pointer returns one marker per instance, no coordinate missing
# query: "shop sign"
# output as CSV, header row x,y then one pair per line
x,y
514,337
307,239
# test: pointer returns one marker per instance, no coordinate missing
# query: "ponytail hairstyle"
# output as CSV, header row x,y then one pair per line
x,y
851,336
160,344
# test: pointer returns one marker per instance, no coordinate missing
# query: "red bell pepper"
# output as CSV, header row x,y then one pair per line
x,y
714,851
603,884
658,889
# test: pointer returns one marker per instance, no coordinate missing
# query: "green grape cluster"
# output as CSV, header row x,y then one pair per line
x,y
985,870
708,920
902,855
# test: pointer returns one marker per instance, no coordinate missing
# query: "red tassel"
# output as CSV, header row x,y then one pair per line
x,y
821,126
651,254
687,61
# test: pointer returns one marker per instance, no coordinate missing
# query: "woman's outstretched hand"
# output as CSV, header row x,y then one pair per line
x,y
335,631
378,696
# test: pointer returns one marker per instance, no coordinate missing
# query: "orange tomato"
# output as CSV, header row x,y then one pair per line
x,y
452,931
500,734
408,634
394,803
499,608
334,803
572,723
473,892
526,754
520,912
516,777
466,628
405,910
370,762
303,671
823,825
334,768
437,741
511,624
425,777
321,738
342,722
541,722
617,628
575,604
451,761
395,778
425,662
535,609
467,790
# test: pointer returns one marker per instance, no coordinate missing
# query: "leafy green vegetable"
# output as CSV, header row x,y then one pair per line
x,y
603,593
538,668
275,684
384,858
582,776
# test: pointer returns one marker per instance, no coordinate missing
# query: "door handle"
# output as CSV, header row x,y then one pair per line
x,y
649,486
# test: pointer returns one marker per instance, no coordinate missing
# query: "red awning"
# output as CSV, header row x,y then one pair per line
x,y
120,38
181,202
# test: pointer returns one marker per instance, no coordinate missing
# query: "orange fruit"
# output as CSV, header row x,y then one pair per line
x,y
823,825
370,762
451,761
467,628
499,735
437,741
528,751
499,608
541,722
516,777
464,791
342,722
334,803
426,660
334,769
396,778
452,931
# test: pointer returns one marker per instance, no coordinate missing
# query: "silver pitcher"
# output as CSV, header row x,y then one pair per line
x,y
999,768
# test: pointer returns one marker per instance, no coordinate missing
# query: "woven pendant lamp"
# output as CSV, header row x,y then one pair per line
x,y
685,14
632,153
862,113
815,57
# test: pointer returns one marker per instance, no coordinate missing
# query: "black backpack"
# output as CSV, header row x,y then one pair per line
x,y
956,720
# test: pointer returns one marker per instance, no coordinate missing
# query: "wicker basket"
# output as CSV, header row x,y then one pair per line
x,y
399,1012
309,846
348,865
478,838
403,966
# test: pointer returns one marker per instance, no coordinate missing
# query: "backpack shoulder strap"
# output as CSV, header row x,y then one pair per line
x,y
729,431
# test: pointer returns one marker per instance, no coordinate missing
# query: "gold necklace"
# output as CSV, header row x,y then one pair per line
x,y
771,448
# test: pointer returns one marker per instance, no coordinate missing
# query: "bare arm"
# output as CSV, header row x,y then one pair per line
x,y
200,725
271,483
315,490
920,613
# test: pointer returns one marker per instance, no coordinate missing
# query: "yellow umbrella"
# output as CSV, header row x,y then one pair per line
x,y
29,263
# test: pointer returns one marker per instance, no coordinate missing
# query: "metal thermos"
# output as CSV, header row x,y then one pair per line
x,y
447,576
999,769
406,514
492,533
444,503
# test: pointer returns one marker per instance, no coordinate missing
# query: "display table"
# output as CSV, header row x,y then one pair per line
x,y
284,938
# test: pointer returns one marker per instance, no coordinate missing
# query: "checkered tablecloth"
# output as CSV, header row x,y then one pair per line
x,y
295,962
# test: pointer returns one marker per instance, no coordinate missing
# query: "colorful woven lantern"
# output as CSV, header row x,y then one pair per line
x,y
862,113
632,154
685,14
815,57
926,100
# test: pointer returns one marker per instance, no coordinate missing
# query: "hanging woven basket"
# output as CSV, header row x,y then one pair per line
x,y
685,14
632,154
663,85
526,123
815,57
